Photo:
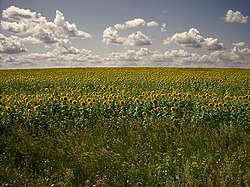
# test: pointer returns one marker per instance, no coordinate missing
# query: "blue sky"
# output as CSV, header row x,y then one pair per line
x,y
80,33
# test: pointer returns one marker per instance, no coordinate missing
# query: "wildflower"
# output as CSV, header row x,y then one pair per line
x,y
180,149
74,102
143,113
195,164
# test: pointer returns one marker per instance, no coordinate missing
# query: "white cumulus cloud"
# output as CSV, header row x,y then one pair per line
x,y
130,24
111,34
137,39
18,14
213,44
194,39
235,17
69,29
14,27
11,45
152,24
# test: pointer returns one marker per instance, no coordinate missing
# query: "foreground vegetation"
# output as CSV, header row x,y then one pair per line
x,y
125,127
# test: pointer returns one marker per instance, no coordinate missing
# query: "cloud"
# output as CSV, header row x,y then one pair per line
x,y
17,14
36,29
137,39
54,58
163,27
69,29
152,24
137,22
130,24
32,23
30,39
179,58
143,52
241,49
11,45
129,55
213,44
194,39
111,36
235,17
45,35
177,53
10,58
64,46
14,26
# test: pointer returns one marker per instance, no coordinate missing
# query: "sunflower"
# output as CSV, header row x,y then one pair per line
x,y
122,102
210,105
37,107
173,109
174,99
203,108
155,101
232,107
82,103
158,109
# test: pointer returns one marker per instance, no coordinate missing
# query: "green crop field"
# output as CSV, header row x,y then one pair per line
x,y
125,127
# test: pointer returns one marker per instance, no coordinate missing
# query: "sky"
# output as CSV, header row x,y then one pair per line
x,y
118,33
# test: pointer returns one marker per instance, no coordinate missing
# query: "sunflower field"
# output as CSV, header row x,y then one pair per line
x,y
125,127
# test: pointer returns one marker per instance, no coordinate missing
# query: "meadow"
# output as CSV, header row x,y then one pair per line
x,y
125,127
